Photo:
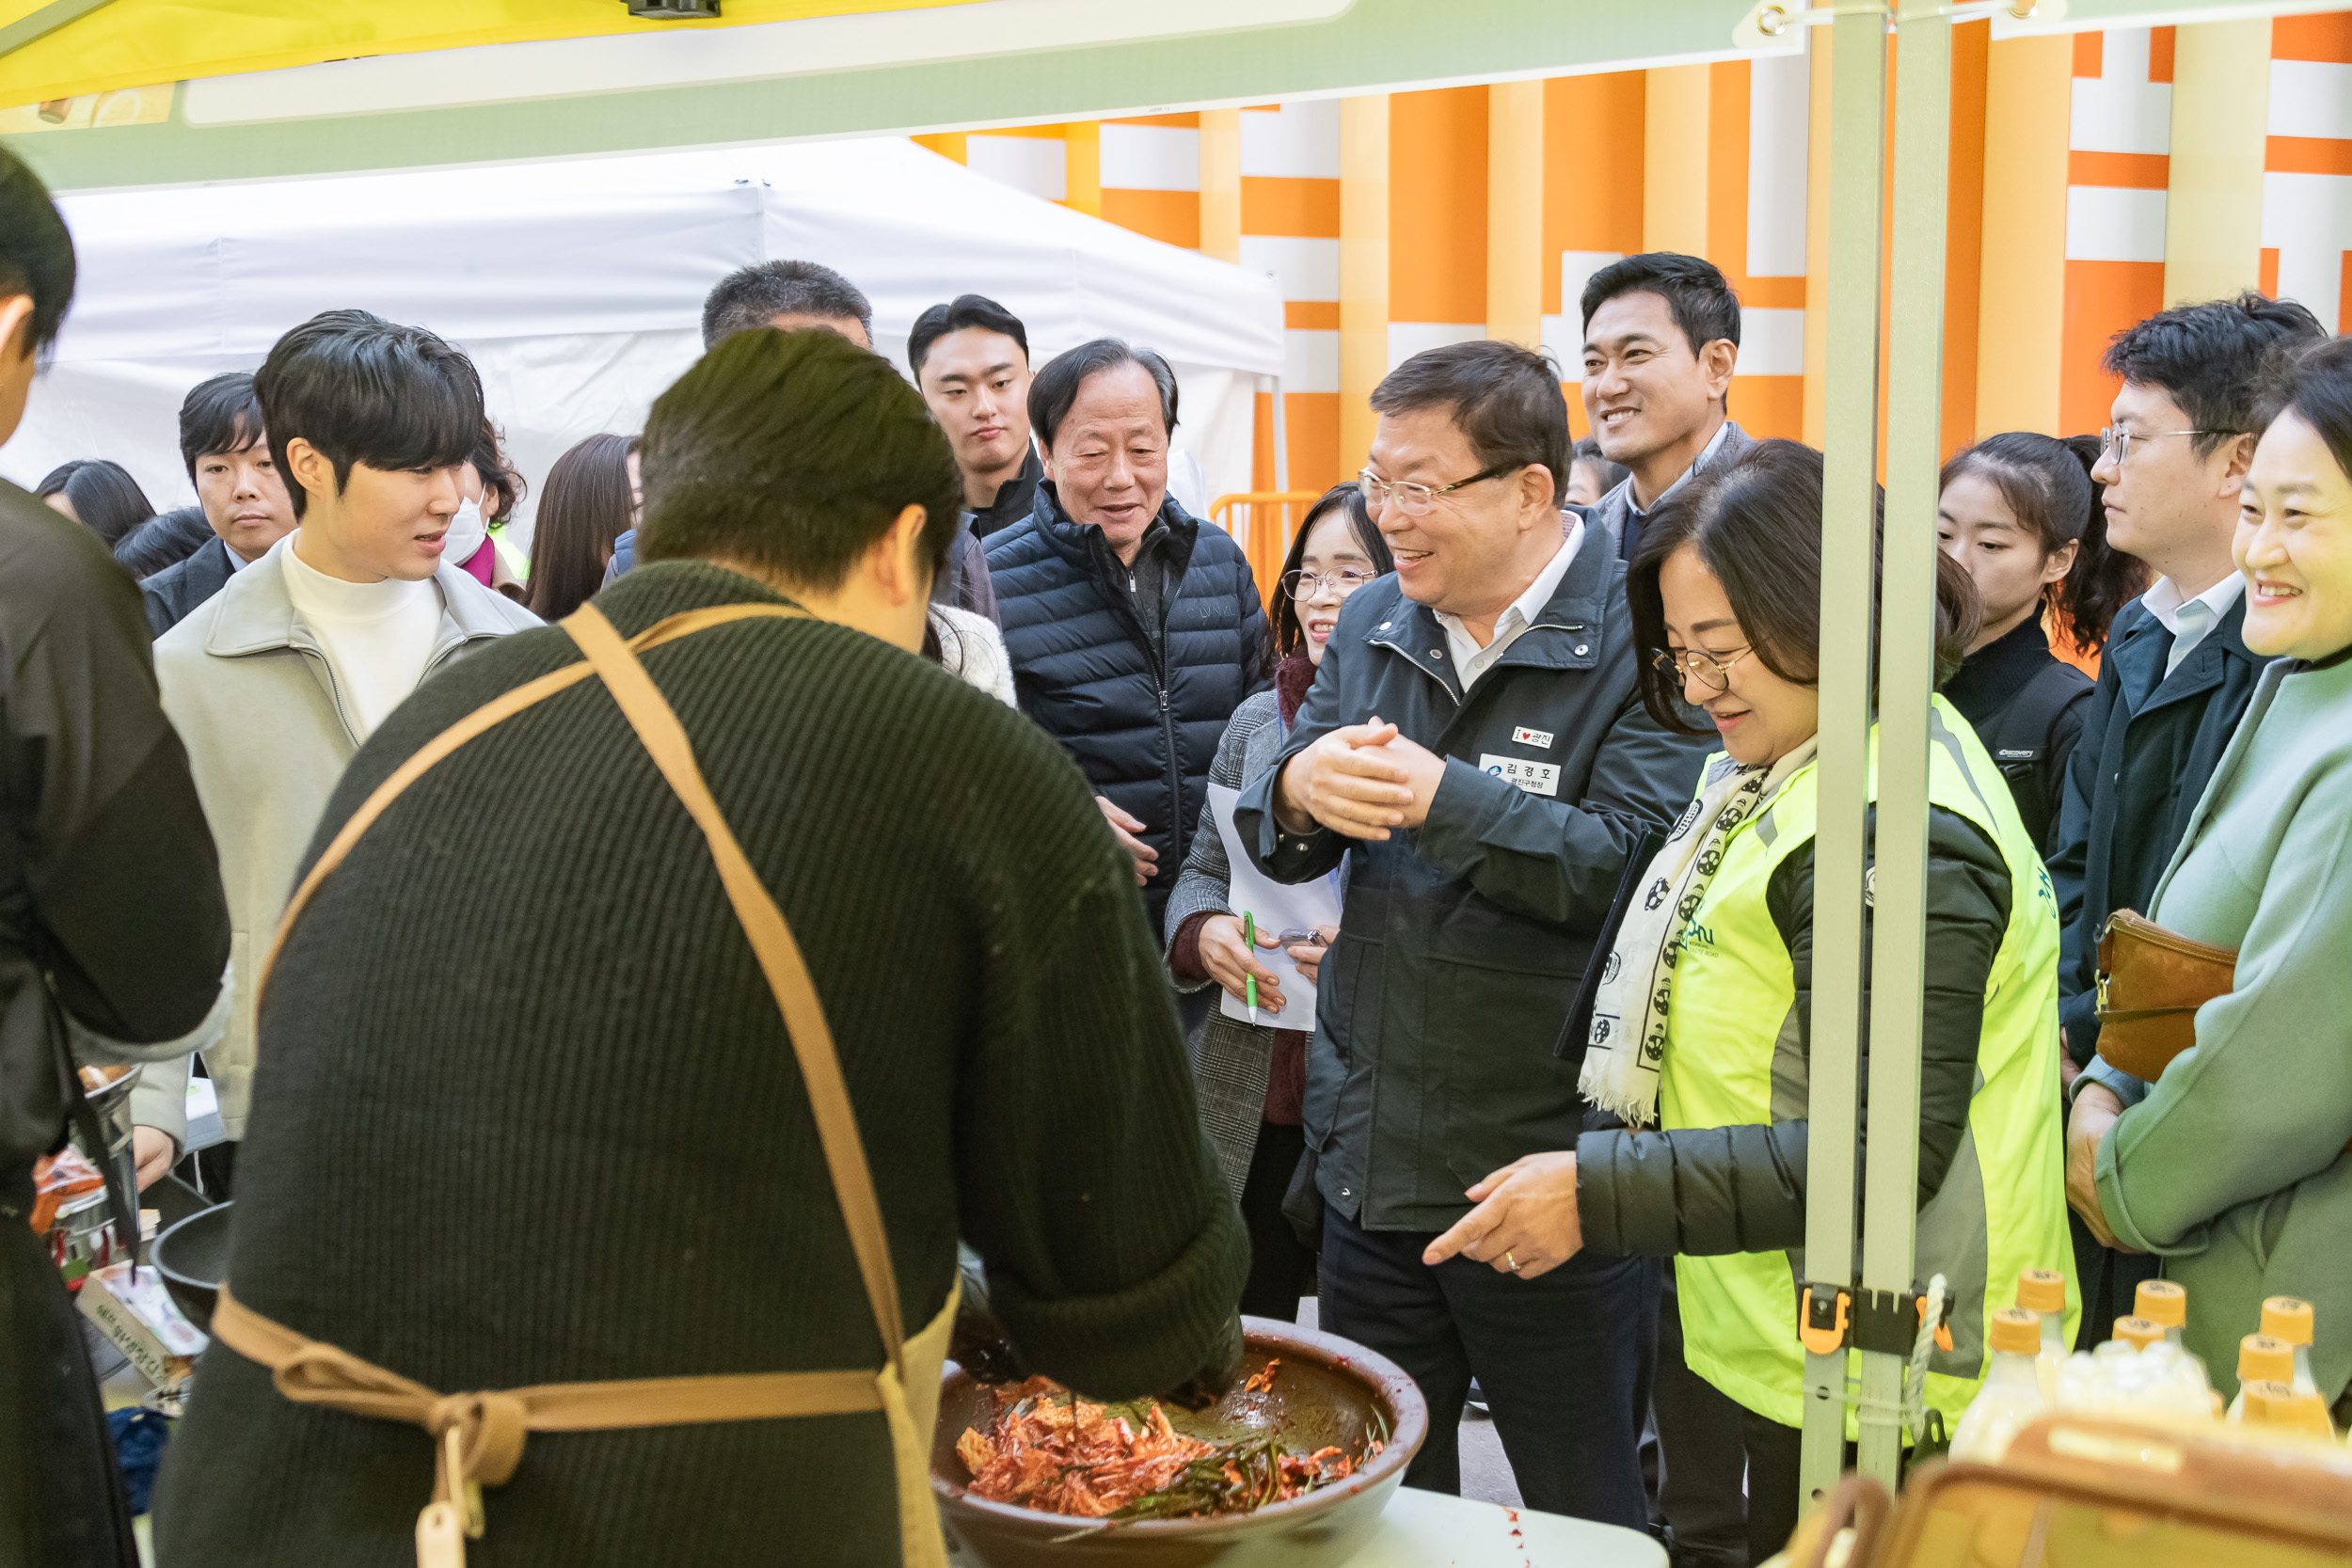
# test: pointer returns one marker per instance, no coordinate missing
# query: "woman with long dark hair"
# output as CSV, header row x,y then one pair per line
x,y
1702,1023
592,497
1252,1079
99,494
2020,513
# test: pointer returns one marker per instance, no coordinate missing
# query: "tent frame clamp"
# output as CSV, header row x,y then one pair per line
x,y
1895,891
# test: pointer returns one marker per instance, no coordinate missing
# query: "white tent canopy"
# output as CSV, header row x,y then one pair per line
x,y
577,286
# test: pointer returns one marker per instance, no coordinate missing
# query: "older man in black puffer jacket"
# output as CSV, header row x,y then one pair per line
x,y
1134,631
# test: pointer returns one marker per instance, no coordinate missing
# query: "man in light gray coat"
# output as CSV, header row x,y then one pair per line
x,y
1661,340
275,681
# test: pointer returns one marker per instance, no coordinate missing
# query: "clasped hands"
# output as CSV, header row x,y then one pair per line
x,y
1362,780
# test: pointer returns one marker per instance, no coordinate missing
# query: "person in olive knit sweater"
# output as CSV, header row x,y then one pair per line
x,y
527,1112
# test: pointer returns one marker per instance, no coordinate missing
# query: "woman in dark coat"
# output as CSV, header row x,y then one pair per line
x,y
1252,1077
2020,513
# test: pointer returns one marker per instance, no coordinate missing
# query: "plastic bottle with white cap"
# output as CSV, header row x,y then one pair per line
x,y
2012,1395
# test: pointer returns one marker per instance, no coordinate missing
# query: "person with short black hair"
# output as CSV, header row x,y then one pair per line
x,y
99,494
163,541
970,357
786,294
276,680
1134,629
1593,475
237,484
2174,681
524,1019
115,934
1475,752
1661,342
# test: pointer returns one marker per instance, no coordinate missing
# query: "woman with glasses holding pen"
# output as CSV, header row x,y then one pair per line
x,y
1252,1077
1701,1026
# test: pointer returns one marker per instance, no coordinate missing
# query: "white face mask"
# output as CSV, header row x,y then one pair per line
x,y
466,534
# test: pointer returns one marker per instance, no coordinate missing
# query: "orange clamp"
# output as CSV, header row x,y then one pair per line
x,y
1822,1338
1942,1326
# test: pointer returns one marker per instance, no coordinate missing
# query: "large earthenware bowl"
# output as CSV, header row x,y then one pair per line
x,y
1328,1390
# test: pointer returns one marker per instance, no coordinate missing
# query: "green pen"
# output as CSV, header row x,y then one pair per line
x,y
1249,943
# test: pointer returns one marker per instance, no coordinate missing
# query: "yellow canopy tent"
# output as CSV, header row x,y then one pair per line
x,y
51,49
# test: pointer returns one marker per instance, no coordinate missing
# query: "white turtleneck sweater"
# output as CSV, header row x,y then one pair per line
x,y
377,636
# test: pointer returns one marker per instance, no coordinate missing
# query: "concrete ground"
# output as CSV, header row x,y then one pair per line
x,y
1485,1473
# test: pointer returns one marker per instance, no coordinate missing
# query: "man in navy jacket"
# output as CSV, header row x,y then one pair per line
x,y
1473,745
2174,681
1135,631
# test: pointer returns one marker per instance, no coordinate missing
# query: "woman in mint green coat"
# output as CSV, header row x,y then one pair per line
x,y
2234,1167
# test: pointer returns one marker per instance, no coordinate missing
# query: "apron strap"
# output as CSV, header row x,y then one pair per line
x,y
657,725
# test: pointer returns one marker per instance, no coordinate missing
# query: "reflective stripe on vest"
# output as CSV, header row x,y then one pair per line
x,y
1733,1055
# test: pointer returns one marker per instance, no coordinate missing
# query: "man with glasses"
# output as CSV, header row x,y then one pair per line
x,y
1474,751
1661,338
2174,681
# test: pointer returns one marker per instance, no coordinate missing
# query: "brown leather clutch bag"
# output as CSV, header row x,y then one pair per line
x,y
2152,981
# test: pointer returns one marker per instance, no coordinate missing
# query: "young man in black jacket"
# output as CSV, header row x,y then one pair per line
x,y
110,902
2174,681
245,499
1473,745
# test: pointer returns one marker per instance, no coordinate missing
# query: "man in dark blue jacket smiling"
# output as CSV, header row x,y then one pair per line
x,y
1134,631
1473,743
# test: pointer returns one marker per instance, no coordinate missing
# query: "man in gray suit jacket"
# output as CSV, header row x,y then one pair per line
x,y
1661,336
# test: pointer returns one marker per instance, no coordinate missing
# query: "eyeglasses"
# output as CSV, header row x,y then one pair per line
x,y
1711,673
1414,500
1303,586
2119,441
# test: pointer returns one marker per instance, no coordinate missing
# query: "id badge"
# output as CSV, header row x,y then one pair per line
x,y
1537,778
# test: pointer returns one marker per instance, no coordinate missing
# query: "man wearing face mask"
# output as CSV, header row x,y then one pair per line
x,y
245,501
493,489
1134,629
1662,336
275,681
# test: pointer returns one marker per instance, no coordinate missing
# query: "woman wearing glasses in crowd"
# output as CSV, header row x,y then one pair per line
x,y
1252,1079
1701,1028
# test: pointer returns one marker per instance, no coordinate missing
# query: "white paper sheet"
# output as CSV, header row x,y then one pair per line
x,y
1274,907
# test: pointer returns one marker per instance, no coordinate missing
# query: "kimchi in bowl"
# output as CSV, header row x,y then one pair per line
x,y
1328,1391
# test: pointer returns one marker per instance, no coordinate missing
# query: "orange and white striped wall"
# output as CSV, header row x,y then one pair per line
x,y
2094,178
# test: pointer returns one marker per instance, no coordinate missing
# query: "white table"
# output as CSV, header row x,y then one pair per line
x,y
1429,1529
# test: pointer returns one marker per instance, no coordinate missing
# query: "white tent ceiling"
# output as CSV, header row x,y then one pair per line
x,y
577,286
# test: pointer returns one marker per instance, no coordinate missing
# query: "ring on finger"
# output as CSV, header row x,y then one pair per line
x,y
1510,1262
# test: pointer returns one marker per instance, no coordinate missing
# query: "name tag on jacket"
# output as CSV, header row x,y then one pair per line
x,y
1537,778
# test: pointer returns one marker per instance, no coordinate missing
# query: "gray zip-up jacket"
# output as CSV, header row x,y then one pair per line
x,y
1461,943
249,688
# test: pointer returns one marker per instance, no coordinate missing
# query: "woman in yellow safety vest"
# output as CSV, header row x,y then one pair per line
x,y
1700,1036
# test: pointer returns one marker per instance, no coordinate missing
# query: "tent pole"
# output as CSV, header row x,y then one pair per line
x,y
1857,107
1281,441
43,20
1907,666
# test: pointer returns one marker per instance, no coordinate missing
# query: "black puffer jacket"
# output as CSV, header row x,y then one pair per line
x,y
1711,1190
1143,724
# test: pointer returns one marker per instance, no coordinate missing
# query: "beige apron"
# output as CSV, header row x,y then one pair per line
x,y
480,1435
